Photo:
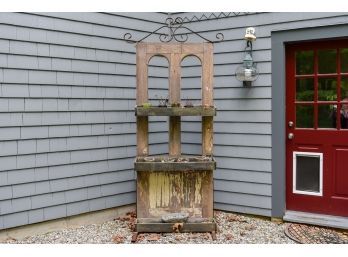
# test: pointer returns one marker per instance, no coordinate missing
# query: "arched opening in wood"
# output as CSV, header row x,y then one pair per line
x,y
191,95
158,89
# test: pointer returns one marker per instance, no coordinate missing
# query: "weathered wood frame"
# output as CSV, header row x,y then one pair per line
x,y
203,171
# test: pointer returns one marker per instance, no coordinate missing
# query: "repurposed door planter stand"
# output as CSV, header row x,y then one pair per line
x,y
175,192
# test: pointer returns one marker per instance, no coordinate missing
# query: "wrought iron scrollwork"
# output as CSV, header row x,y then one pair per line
x,y
214,16
176,31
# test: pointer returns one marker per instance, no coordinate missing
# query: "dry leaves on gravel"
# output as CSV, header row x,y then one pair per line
x,y
118,239
249,227
154,237
228,237
130,219
235,218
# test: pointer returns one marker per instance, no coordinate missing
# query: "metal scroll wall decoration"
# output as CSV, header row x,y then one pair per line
x,y
215,16
173,30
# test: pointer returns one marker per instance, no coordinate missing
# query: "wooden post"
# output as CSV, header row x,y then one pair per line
x,y
207,98
142,97
174,98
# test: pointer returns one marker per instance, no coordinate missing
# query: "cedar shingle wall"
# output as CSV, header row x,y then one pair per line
x,y
67,131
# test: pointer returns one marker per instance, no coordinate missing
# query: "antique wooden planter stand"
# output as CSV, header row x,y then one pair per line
x,y
175,183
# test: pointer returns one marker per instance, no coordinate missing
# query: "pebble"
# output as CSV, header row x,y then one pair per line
x,y
232,229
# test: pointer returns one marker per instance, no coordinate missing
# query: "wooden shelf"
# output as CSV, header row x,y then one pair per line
x,y
175,111
182,163
168,227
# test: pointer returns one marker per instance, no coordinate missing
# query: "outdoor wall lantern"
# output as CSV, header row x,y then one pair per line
x,y
248,72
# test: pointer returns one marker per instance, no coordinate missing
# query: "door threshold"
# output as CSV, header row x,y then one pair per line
x,y
316,219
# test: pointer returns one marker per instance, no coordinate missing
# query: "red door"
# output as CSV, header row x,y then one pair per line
x,y
317,127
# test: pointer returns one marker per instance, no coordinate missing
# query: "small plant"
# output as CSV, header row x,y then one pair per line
x,y
147,105
163,102
175,104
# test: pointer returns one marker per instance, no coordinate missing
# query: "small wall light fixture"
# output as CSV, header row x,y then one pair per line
x,y
248,71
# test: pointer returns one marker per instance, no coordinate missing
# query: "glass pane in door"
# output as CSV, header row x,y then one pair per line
x,y
327,89
327,116
344,60
327,61
304,62
344,103
304,116
305,89
344,88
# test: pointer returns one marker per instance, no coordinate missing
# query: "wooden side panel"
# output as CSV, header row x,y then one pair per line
x,y
142,97
141,72
160,193
174,97
207,99
207,75
208,196
142,136
207,136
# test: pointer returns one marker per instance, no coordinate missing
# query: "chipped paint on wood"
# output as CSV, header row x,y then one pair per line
x,y
168,192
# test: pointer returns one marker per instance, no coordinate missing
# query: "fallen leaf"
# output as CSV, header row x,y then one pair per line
x,y
228,237
118,239
249,227
207,236
233,218
132,214
140,237
128,217
131,227
176,227
153,237
193,236
10,239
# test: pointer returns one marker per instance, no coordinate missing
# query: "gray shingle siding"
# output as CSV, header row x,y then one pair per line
x,y
67,131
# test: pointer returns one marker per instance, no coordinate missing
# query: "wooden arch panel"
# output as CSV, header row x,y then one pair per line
x,y
174,53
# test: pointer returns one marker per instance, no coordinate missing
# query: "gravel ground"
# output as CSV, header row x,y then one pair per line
x,y
232,229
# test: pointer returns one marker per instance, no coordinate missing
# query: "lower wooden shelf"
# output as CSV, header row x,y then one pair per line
x,y
175,227
181,163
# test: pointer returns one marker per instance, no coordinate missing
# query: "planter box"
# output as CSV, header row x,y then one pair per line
x,y
182,163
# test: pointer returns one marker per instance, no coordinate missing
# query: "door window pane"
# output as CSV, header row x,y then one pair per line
x,y
344,114
305,89
327,116
304,116
308,173
327,61
327,89
344,88
344,60
304,62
